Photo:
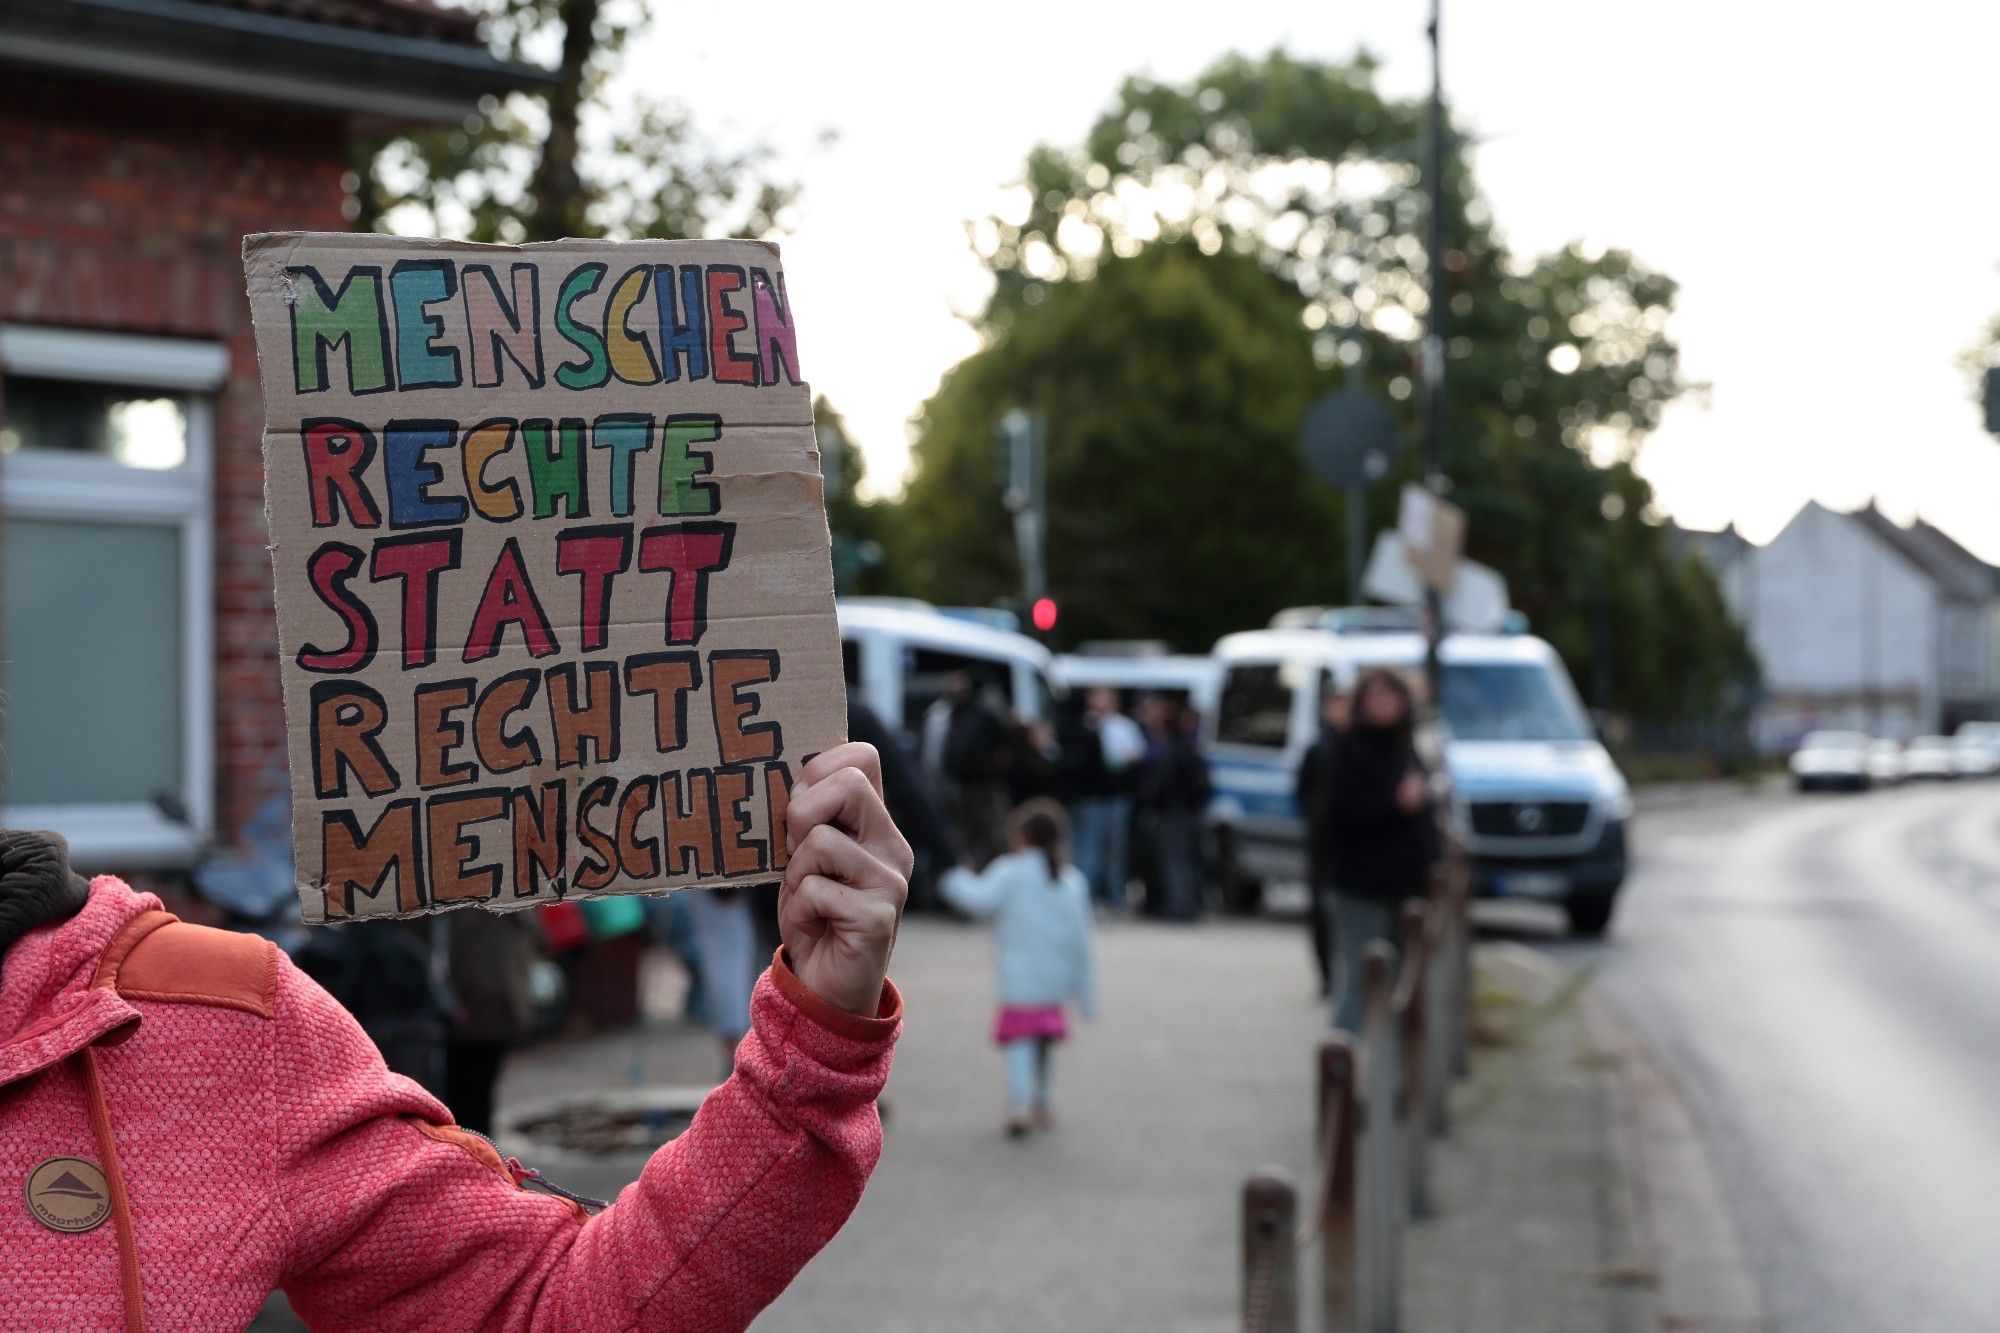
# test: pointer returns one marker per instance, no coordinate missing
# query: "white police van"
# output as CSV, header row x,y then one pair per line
x,y
1540,805
1136,673
899,652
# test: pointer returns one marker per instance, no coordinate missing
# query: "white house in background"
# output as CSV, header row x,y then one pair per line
x,y
1861,623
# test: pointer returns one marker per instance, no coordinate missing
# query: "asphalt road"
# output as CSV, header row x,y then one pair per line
x,y
1823,976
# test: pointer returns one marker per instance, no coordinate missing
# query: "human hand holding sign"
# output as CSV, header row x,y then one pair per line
x,y
842,896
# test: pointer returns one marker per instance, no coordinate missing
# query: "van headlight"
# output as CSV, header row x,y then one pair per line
x,y
1619,804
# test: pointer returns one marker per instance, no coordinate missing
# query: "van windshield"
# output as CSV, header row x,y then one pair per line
x,y
1256,705
1511,701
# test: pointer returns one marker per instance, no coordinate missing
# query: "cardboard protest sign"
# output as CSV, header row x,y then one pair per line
x,y
555,603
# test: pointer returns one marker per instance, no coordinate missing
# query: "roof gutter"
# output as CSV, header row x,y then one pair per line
x,y
229,52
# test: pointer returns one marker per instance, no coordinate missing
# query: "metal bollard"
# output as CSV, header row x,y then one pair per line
x,y
1461,1002
1413,1103
1437,1021
1338,1276
1270,1257
1381,1207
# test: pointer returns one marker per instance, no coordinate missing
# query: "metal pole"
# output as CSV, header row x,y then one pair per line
x,y
1270,1257
1027,497
1871,632
1339,1296
1382,1202
1414,1106
1357,519
1434,336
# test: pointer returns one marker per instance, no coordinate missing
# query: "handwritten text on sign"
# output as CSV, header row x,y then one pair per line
x,y
554,602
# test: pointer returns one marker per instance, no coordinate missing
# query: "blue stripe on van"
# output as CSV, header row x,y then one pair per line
x,y
1260,787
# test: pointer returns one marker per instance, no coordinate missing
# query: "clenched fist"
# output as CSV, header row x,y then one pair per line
x,y
843,892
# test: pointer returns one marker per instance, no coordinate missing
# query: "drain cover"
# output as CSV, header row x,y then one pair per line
x,y
597,1130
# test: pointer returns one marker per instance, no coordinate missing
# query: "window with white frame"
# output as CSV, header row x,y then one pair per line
x,y
106,666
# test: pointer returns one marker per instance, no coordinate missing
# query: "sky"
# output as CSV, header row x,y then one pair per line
x,y
1823,188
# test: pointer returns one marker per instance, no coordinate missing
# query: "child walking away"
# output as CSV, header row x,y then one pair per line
x,y
1040,905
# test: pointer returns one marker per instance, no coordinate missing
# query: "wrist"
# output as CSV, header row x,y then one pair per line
x,y
876,1022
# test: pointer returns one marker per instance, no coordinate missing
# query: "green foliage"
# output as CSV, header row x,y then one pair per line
x,y
1172,384
562,161
1302,171
858,525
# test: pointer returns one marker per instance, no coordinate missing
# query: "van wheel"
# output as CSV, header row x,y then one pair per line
x,y
1242,894
1589,918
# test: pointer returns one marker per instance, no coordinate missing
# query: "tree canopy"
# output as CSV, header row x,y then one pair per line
x,y
1299,173
562,162
1171,384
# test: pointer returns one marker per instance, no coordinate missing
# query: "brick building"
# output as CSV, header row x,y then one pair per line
x,y
140,140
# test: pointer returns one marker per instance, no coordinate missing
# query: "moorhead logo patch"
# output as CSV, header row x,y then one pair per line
x,y
68,1194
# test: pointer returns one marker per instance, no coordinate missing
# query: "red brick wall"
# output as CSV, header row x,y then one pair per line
x,y
123,208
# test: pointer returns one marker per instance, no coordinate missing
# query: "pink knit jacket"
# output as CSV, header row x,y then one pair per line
x,y
250,1138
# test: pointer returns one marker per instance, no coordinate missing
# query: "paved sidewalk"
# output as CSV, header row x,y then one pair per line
x,y
1574,1194
1125,1216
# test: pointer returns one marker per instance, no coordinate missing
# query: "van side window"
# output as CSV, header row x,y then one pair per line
x,y
927,669
1255,708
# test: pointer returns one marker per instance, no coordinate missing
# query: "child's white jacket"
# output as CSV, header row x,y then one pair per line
x,y
1041,929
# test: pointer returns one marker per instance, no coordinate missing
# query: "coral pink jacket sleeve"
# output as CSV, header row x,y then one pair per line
x,y
395,1223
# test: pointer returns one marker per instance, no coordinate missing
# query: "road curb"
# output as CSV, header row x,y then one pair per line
x,y
1688,1270
1680,795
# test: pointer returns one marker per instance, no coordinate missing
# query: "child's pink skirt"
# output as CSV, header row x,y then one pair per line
x,y
1024,1022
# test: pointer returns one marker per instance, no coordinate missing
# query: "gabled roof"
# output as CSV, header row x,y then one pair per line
x,y
1957,572
1718,549
1979,578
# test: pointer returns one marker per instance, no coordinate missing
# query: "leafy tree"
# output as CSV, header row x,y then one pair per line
x,y
858,525
1558,365
558,162
1171,384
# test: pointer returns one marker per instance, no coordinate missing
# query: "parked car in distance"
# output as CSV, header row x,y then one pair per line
x,y
1885,763
1930,757
1974,755
1832,761
1984,730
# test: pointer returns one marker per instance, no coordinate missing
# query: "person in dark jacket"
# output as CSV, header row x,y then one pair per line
x,y
910,805
967,755
1312,779
1173,789
491,958
1371,805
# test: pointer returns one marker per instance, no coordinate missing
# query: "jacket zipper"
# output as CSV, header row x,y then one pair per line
x,y
526,1176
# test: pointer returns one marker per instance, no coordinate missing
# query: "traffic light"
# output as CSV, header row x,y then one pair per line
x,y
1043,614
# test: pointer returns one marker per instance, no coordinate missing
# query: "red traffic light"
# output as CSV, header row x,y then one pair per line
x,y
1043,613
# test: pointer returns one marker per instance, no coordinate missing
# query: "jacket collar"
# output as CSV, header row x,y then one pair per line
x,y
49,1008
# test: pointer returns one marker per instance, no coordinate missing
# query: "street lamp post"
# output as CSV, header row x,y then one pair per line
x,y
1434,338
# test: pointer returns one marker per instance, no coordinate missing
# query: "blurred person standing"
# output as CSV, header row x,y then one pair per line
x,y
725,937
491,958
1313,783
1037,764
965,751
910,804
1172,792
1111,747
1043,952
1372,798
